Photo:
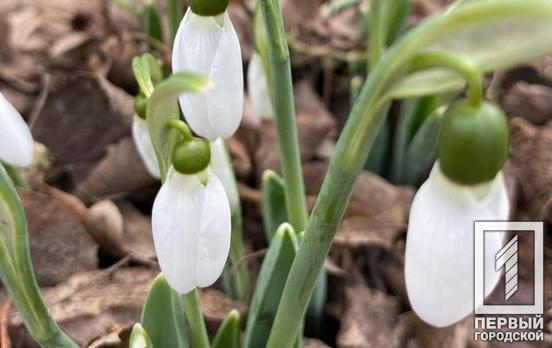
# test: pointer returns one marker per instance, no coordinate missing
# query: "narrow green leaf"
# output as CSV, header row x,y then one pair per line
x,y
270,285
142,74
412,115
315,310
152,23
163,106
492,34
228,334
422,150
273,203
376,159
139,338
16,269
162,316
174,15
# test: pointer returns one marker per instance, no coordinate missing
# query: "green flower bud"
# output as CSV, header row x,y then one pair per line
x,y
191,157
140,104
473,143
208,8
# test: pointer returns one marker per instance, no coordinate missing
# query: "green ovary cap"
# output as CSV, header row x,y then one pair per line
x,y
473,143
192,156
208,8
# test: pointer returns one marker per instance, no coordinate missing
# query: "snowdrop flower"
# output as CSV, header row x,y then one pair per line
x,y
16,141
191,220
142,140
222,167
207,43
465,185
257,85
440,245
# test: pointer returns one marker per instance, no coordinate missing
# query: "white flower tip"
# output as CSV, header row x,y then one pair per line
x,y
16,141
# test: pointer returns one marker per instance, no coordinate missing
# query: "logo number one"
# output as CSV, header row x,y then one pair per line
x,y
507,257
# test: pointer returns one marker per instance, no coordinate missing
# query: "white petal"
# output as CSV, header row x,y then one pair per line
x,y
257,86
440,245
191,230
222,166
16,141
210,46
142,140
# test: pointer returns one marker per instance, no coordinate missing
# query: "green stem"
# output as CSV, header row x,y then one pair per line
x,y
197,329
182,127
457,63
240,275
284,108
174,15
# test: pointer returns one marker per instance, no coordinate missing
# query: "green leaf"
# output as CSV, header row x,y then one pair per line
x,y
376,159
163,106
273,203
174,16
142,74
422,150
152,23
162,316
139,338
16,269
270,285
492,34
228,334
412,115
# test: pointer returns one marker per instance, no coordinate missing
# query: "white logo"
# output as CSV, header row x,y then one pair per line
x,y
507,257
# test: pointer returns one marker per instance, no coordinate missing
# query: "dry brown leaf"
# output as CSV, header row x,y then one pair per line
x,y
100,305
531,155
532,102
368,319
59,243
118,174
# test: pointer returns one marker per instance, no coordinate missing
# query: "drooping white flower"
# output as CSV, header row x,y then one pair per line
x,y
222,166
257,86
210,46
191,229
16,141
142,140
439,268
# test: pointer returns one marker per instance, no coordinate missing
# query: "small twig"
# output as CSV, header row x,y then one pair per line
x,y
353,56
493,91
45,86
247,258
4,321
164,49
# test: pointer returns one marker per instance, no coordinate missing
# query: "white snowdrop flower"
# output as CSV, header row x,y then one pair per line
x,y
439,268
142,140
16,141
257,86
222,166
209,45
191,229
